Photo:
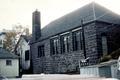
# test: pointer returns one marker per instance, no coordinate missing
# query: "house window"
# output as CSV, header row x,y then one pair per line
x,y
65,43
54,44
104,45
8,62
27,55
77,40
41,52
81,40
0,42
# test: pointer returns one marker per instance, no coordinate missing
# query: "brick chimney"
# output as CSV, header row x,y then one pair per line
x,y
36,25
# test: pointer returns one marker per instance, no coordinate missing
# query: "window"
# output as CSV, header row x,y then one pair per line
x,y
54,44
8,62
27,55
65,43
41,51
104,45
81,40
0,42
77,40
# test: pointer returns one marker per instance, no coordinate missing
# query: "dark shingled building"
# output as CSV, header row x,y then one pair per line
x,y
89,32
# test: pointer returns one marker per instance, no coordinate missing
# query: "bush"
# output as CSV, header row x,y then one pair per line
x,y
105,58
115,54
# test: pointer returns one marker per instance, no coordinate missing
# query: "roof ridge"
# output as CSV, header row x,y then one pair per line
x,y
93,7
102,15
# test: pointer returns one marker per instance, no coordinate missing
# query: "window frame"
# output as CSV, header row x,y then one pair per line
x,y
54,45
77,40
65,44
1,42
27,53
104,45
8,62
41,51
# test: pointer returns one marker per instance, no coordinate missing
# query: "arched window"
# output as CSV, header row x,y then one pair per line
x,y
65,43
104,45
54,44
41,51
77,40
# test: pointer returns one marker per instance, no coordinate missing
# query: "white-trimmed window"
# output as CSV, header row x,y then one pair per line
x,y
65,43
41,52
77,40
54,44
0,42
104,45
8,62
27,56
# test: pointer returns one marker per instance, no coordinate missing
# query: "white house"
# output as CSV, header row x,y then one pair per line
x,y
2,38
23,50
9,64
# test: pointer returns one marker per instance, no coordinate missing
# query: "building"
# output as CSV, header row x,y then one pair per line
x,y
86,33
119,67
119,63
22,49
105,69
2,38
9,64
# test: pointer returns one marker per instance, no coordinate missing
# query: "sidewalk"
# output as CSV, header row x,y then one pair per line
x,y
60,77
1,77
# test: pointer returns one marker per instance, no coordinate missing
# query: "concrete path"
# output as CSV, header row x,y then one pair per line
x,y
2,77
59,77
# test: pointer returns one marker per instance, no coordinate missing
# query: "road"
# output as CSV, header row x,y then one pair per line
x,y
59,77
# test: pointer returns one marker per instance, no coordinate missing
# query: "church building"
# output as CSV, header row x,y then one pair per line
x,y
86,33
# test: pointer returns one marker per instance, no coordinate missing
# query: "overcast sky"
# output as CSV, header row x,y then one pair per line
x,y
15,12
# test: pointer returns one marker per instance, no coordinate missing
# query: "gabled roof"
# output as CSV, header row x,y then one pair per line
x,y
2,33
88,13
4,54
27,38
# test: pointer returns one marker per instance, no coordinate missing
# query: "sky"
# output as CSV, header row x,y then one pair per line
x,y
19,12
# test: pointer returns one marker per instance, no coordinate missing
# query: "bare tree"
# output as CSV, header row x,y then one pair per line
x,y
9,41
12,37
